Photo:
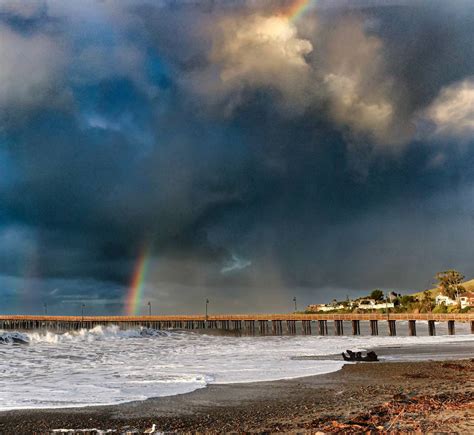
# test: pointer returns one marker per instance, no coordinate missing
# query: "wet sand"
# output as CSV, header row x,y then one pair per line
x,y
396,396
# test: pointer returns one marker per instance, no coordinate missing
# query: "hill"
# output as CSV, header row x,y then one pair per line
x,y
468,285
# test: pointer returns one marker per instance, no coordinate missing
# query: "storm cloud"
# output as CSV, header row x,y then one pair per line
x,y
256,154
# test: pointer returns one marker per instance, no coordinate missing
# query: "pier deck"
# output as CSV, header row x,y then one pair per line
x,y
250,323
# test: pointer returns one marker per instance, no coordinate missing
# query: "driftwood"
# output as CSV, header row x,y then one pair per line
x,y
357,356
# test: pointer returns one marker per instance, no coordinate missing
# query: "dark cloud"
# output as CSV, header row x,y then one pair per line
x,y
256,157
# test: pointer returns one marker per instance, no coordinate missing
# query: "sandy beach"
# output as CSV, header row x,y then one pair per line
x,y
386,396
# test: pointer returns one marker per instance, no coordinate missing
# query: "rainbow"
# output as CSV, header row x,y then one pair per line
x,y
297,8
135,293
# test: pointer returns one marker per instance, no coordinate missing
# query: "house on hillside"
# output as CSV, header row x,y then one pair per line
x,y
446,300
467,300
371,304
314,308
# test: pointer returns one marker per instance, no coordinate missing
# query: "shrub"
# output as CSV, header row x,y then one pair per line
x,y
377,295
406,300
454,309
440,309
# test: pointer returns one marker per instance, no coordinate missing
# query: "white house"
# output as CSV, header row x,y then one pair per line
x,y
446,300
324,307
467,300
371,304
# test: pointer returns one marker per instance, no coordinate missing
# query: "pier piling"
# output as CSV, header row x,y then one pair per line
x,y
412,327
306,327
355,327
338,327
451,330
263,327
323,327
277,328
392,328
431,327
374,327
291,327
250,327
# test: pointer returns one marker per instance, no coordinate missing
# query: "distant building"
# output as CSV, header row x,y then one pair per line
x,y
393,296
467,300
366,303
446,300
371,304
314,308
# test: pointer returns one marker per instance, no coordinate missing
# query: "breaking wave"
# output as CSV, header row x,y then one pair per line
x,y
98,333
13,338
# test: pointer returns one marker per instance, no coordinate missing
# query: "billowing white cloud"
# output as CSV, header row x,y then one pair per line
x,y
30,68
351,107
359,89
256,52
339,67
452,112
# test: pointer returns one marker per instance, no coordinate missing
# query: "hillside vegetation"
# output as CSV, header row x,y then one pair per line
x,y
468,286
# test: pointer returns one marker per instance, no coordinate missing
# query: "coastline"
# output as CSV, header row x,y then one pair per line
x,y
340,400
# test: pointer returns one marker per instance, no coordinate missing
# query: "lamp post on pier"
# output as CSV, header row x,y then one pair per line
x,y
207,303
294,300
45,306
149,308
82,315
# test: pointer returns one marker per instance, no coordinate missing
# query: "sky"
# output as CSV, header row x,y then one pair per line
x,y
251,150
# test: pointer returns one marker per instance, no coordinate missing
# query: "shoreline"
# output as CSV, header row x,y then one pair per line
x,y
302,404
458,350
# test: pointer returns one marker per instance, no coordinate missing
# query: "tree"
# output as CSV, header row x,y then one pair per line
x,y
405,300
426,301
449,283
377,295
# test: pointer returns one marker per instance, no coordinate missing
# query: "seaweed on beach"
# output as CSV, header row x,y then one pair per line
x,y
405,413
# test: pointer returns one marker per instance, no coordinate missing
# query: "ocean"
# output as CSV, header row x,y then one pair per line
x,y
106,365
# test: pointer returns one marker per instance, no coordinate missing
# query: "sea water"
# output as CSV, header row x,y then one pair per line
x,y
106,365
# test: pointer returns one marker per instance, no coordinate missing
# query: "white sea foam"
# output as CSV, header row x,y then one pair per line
x,y
107,365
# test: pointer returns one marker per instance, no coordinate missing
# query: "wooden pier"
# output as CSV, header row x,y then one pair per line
x,y
263,324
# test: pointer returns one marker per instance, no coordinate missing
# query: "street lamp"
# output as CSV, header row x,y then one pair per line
x,y
45,305
82,315
294,300
207,303
149,308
